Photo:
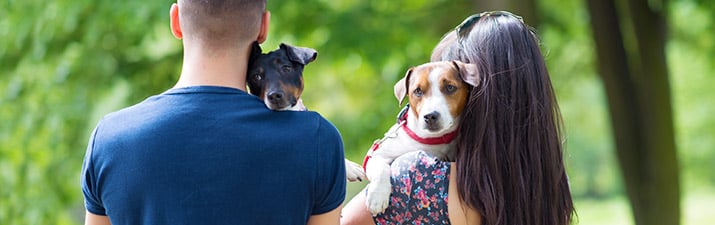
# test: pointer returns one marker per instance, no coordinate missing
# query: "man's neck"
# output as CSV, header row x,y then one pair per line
x,y
227,70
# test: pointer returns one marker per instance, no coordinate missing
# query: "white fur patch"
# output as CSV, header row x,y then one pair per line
x,y
436,102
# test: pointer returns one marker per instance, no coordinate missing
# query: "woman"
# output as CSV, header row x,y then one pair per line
x,y
509,168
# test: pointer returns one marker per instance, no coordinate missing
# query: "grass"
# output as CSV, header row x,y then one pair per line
x,y
696,208
612,211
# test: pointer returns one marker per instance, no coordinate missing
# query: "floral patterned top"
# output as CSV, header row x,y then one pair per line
x,y
420,183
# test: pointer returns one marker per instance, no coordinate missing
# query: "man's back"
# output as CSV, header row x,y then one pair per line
x,y
212,155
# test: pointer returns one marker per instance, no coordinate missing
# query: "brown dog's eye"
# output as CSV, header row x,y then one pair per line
x,y
417,92
257,77
287,69
450,88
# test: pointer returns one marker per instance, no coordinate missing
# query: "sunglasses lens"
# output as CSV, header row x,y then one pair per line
x,y
467,23
463,27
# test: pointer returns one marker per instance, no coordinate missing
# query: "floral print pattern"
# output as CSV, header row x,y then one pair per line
x,y
420,183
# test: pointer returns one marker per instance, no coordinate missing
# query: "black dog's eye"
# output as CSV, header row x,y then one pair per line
x,y
257,77
450,88
287,69
417,92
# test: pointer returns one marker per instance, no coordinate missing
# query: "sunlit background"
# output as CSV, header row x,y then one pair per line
x,y
66,63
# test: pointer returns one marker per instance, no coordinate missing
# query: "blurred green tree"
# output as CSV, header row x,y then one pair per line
x,y
64,64
635,75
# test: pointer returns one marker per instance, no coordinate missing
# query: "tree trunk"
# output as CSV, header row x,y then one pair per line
x,y
638,95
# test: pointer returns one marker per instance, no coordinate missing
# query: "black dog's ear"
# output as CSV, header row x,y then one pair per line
x,y
300,54
256,52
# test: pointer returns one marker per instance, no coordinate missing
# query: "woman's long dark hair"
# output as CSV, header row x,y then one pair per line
x,y
510,157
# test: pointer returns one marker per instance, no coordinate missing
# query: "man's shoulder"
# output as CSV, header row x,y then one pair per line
x,y
127,113
175,101
301,128
317,122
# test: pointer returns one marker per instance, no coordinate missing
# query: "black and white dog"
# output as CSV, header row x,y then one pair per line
x,y
277,79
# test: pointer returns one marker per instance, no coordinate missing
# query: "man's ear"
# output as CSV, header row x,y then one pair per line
x,y
174,21
468,72
299,54
402,87
263,32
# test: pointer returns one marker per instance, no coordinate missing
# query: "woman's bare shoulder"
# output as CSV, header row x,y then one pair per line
x,y
459,212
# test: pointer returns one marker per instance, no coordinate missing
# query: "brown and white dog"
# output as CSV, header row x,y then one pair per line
x,y
437,95
277,79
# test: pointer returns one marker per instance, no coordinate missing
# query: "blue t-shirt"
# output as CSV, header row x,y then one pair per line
x,y
212,155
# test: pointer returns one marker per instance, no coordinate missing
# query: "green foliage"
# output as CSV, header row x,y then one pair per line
x,y
570,54
64,64
691,56
364,48
591,160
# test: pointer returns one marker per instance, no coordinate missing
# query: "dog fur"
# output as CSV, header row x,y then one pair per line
x,y
438,92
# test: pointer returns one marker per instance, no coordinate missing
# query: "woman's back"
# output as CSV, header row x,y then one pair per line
x,y
509,160
422,193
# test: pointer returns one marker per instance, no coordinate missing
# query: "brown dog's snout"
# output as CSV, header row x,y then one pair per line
x,y
431,120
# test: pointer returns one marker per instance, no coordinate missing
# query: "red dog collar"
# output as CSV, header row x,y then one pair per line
x,y
444,139
402,120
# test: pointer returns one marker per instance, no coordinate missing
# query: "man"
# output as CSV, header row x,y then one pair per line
x,y
205,151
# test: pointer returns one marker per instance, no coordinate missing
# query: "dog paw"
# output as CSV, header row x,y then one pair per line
x,y
378,198
354,172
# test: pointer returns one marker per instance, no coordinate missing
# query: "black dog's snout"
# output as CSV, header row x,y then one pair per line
x,y
431,118
275,96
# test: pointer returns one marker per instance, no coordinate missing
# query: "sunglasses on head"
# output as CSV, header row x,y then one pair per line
x,y
463,28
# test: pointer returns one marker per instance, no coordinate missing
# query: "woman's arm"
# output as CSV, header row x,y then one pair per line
x,y
355,211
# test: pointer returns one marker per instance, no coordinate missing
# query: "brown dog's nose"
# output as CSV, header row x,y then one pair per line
x,y
431,118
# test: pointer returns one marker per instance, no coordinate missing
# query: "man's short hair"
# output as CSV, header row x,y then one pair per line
x,y
221,23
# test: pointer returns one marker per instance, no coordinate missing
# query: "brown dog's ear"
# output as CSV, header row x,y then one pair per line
x,y
300,54
402,87
468,72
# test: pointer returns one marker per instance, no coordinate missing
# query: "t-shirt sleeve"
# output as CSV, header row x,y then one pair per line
x,y
330,183
88,180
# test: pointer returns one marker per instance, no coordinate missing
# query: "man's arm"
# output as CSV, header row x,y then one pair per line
x,y
93,219
331,217
330,184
